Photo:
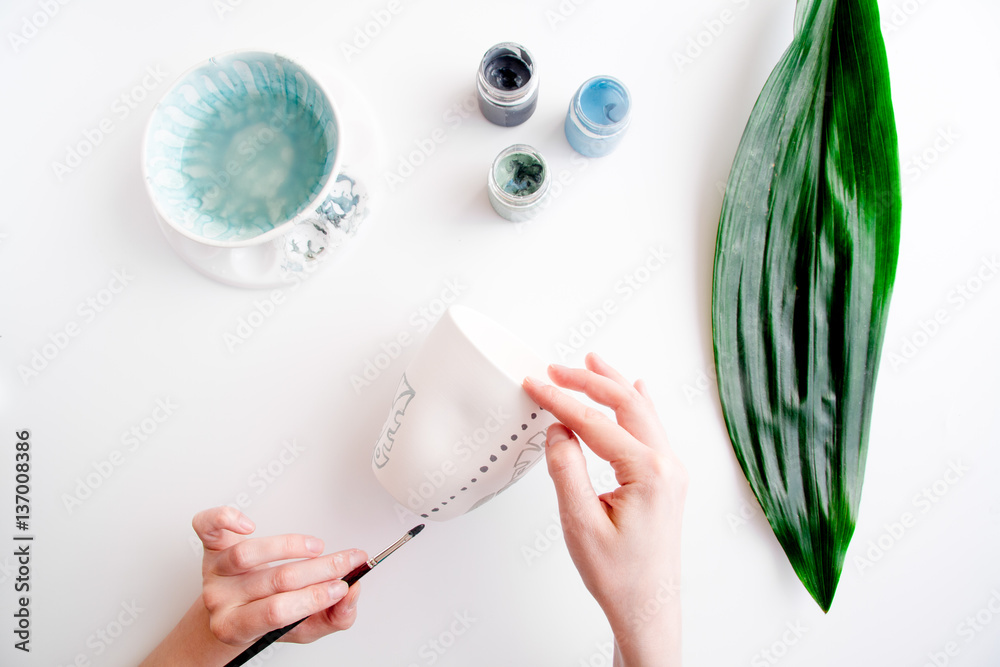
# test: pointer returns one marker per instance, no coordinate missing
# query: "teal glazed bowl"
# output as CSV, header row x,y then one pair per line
x,y
241,162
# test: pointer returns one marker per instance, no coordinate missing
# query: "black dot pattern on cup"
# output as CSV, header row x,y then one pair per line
x,y
492,458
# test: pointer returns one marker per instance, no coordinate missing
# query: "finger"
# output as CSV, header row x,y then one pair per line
x,y
268,581
251,621
216,527
598,365
640,386
604,390
606,438
634,411
337,618
578,502
253,553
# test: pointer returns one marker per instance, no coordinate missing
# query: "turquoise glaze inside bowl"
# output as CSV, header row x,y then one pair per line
x,y
238,146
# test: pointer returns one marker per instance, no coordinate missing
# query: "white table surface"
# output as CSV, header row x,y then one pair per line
x,y
162,336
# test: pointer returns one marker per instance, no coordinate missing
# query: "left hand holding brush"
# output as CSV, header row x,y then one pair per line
x,y
244,596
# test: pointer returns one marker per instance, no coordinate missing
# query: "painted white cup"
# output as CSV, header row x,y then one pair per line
x,y
241,159
461,429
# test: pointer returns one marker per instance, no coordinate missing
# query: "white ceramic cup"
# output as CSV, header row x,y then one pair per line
x,y
242,161
461,429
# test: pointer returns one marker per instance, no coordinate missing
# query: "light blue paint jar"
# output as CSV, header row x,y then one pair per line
x,y
598,116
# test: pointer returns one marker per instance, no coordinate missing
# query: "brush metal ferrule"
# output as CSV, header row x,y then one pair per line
x,y
375,560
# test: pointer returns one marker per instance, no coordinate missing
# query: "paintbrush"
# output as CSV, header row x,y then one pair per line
x,y
349,579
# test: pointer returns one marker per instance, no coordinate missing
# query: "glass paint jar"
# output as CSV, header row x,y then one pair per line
x,y
598,116
518,182
507,84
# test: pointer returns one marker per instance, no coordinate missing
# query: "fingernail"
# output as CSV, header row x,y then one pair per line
x,y
338,589
352,604
556,433
532,380
558,367
357,557
246,524
314,545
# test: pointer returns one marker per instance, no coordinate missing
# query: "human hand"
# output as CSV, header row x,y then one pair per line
x,y
246,598
625,543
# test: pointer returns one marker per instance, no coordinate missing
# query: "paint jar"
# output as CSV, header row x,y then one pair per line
x,y
507,84
598,116
518,182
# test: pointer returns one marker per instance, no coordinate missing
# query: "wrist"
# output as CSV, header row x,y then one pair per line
x,y
649,635
192,643
658,646
660,651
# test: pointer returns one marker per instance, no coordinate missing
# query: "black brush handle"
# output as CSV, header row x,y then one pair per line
x,y
274,635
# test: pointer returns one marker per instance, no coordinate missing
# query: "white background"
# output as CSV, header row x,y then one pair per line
x,y
163,335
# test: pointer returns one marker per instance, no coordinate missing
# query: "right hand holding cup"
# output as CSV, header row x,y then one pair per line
x,y
625,543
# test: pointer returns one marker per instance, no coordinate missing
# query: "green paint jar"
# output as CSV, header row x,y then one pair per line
x,y
518,182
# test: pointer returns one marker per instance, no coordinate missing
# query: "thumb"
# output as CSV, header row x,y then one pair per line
x,y
221,527
568,469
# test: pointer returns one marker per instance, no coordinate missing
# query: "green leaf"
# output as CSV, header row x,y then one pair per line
x,y
804,265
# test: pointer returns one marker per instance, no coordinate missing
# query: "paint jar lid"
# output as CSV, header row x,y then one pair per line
x,y
507,84
518,182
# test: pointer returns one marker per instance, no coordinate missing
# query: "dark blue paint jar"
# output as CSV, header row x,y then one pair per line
x,y
507,83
